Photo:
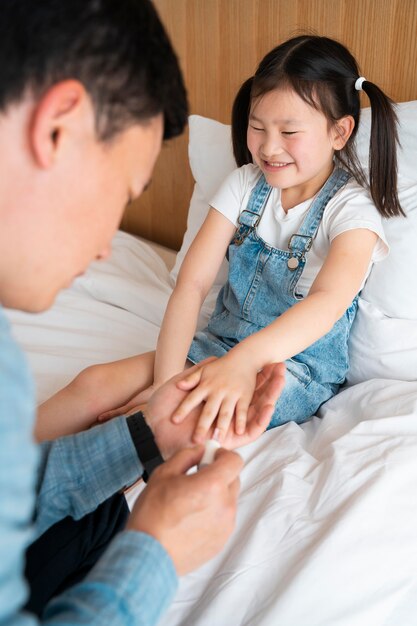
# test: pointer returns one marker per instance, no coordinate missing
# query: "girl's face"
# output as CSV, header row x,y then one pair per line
x,y
292,144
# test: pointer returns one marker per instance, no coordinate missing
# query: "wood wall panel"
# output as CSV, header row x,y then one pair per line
x,y
219,44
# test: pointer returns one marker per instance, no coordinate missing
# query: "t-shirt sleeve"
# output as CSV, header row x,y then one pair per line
x,y
230,197
353,208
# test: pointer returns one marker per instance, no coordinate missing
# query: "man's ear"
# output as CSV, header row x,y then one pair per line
x,y
61,109
341,131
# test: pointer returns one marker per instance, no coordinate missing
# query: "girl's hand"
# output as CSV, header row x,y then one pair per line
x,y
172,437
226,387
139,399
270,382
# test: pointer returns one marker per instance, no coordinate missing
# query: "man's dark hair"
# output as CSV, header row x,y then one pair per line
x,y
117,49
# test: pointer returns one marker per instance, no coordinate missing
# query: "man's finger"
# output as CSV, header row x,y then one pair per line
x,y
276,383
227,466
182,461
272,385
258,420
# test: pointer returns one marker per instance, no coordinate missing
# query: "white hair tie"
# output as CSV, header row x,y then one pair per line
x,y
359,83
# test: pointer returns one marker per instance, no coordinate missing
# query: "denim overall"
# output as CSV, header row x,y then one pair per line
x,y
261,285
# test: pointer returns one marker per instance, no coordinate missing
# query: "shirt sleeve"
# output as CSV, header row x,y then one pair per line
x,y
233,194
353,208
18,462
79,472
135,579
133,583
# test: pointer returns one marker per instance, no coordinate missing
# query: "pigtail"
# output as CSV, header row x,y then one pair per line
x,y
326,76
383,152
240,118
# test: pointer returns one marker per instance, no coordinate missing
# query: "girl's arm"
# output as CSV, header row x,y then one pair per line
x,y
332,292
198,272
225,385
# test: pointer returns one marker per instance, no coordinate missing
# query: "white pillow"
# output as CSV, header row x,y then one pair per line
x,y
381,346
391,290
392,285
383,339
210,152
407,134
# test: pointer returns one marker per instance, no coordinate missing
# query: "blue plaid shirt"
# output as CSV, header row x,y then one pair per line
x,y
135,580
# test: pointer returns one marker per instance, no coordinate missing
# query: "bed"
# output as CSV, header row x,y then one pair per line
x,y
326,527
327,518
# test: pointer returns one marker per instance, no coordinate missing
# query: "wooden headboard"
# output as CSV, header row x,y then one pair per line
x,y
219,44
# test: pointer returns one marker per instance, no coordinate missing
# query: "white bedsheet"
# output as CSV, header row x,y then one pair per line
x,y
326,529
327,523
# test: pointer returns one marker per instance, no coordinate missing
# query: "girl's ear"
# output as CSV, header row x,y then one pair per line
x,y
341,132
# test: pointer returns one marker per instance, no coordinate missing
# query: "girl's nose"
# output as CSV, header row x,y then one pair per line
x,y
271,147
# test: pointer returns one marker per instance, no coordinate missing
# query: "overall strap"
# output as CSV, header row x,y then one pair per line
x,y
301,242
250,217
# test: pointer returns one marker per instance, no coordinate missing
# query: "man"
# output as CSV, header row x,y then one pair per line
x,y
88,89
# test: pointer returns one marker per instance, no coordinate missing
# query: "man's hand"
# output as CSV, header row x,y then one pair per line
x,y
172,437
183,512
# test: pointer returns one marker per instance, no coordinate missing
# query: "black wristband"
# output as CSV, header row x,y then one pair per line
x,y
145,444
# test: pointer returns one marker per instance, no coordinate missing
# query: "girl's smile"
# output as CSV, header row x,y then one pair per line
x,y
291,143
274,165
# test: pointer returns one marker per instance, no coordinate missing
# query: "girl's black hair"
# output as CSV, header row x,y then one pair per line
x,y
323,73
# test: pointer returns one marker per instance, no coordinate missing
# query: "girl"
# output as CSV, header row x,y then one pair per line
x,y
301,230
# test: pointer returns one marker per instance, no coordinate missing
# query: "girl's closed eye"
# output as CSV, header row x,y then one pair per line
x,y
256,128
289,132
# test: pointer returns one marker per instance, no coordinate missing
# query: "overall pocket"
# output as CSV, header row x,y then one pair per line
x,y
301,371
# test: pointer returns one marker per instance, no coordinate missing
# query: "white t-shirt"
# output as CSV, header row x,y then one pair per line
x,y
351,207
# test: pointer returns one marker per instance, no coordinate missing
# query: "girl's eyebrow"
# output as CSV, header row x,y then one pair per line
x,y
276,121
